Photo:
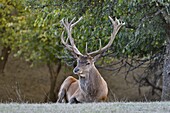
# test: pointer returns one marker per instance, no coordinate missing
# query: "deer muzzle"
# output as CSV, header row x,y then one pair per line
x,y
76,71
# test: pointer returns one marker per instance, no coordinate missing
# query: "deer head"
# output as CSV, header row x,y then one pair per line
x,y
86,62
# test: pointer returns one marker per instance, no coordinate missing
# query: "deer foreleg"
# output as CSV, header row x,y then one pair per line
x,y
77,97
62,96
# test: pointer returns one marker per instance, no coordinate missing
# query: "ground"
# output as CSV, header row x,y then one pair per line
x,y
117,107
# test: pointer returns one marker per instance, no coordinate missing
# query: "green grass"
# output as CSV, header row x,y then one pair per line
x,y
117,107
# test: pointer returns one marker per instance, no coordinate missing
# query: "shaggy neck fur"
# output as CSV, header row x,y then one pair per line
x,y
90,83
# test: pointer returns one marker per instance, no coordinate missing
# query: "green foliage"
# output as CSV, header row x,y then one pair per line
x,y
32,28
11,21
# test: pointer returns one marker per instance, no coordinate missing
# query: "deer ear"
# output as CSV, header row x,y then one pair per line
x,y
96,57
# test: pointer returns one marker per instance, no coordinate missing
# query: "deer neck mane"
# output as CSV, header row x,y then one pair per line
x,y
91,82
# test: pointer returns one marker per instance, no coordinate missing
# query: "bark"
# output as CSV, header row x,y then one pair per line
x,y
166,68
4,57
51,96
166,74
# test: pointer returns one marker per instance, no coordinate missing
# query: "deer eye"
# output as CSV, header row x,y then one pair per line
x,y
87,63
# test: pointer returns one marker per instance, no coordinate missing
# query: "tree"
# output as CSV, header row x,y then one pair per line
x,y
12,19
157,10
145,36
40,42
166,69
34,34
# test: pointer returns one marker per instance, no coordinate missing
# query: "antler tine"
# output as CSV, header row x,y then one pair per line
x,y
86,49
68,26
117,25
67,40
111,19
77,21
72,20
66,21
95,52
62,22
65,43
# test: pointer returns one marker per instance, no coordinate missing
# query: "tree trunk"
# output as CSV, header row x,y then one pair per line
x,y
166,74
4,57
166,68
51,96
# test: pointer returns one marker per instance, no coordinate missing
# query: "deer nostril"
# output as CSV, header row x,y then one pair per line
x,y
76,70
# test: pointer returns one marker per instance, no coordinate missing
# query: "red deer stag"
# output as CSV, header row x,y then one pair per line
x,y
90,87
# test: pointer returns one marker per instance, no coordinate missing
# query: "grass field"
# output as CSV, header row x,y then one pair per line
x,y
118,107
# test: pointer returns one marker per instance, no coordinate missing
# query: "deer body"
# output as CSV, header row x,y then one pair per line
x,y
90,87
93,86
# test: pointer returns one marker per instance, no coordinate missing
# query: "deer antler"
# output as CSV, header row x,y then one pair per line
x,y
68,26
117,25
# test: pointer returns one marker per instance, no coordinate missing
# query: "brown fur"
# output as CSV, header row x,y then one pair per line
x,y
90,87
